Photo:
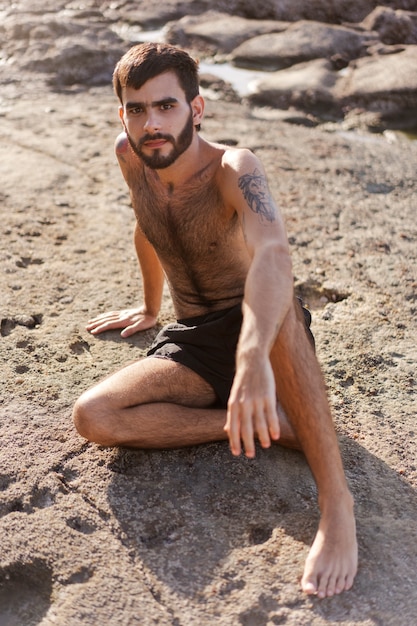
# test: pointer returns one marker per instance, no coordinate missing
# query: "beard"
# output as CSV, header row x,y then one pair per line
x,y
156,160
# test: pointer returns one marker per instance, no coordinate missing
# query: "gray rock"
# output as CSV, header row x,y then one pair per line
x,y
385,84
301,42
71,51
323,10
216,32
306,86
153,13
392,26
71,43
87,60
215,88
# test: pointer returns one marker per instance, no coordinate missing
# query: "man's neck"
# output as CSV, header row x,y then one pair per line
x,y
185,166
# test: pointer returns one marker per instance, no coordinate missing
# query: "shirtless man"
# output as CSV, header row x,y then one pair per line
x,y
207,223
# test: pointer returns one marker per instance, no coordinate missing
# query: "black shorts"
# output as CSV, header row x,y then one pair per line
x,y
207,345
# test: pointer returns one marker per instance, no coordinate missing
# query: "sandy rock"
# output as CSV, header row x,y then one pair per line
x,y
392,26
102,537
99,536
215,32
300,42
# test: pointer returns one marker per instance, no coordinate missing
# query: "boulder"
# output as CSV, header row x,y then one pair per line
x,y
382,85
320,10
215,32
153,13
393,27
215,88
386,84
301,42
71,51
88,58
306,86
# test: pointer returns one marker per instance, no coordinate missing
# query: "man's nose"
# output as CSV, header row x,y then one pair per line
x,y
152,122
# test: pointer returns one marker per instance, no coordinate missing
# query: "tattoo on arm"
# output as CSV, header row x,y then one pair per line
x,y
255,190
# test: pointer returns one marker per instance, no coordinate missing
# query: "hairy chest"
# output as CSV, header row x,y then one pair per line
x,y
189,223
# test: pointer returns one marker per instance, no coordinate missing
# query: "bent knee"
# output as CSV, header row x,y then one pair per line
x,y
89,416
81,416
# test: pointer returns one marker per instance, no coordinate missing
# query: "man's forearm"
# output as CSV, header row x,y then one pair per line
x,y
267,299
152,273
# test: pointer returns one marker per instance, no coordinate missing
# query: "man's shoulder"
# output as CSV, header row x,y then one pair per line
x,y
235,158
235,162
127,159
121,145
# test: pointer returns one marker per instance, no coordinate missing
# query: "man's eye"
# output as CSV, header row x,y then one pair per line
x,y
166,107
136,110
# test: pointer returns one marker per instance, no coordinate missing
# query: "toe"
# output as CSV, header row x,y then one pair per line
x,y
326,586
348,582
309,587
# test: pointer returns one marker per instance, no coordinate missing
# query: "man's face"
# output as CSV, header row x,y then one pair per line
x,y
158,120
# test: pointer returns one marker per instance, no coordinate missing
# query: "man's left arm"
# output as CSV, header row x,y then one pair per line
x,y
267,298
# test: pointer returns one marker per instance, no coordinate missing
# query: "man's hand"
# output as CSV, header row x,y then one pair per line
x,y
251,409
131,320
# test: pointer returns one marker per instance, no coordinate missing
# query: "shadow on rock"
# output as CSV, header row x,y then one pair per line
x,y
25,593
183,512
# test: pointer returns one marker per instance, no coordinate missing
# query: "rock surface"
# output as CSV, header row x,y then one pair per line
x,y
302,41
218,32
82,45
98,536
393,27
385,85
308,86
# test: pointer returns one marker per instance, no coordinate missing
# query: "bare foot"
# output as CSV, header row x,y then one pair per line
x,y
333,558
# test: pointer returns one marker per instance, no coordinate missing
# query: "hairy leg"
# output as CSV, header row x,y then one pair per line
x,y
153,403
332,562
156,403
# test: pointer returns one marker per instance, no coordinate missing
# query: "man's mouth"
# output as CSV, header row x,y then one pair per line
x,y
154,144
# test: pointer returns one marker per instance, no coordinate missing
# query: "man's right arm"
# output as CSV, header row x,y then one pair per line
x,y
134,320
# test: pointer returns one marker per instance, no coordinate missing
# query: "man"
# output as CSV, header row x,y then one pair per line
x,y
207,223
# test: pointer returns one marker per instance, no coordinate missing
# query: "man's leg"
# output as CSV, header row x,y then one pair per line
x,y
332,562
153,403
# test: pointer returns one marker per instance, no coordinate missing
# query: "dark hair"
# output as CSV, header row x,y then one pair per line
x,y
147,60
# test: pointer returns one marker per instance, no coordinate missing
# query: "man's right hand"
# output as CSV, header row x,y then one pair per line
x,y
130,320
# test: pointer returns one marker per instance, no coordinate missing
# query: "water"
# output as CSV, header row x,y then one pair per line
x,y
241,80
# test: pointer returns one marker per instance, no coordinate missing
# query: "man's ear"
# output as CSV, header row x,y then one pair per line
x,y
197,107
121,112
